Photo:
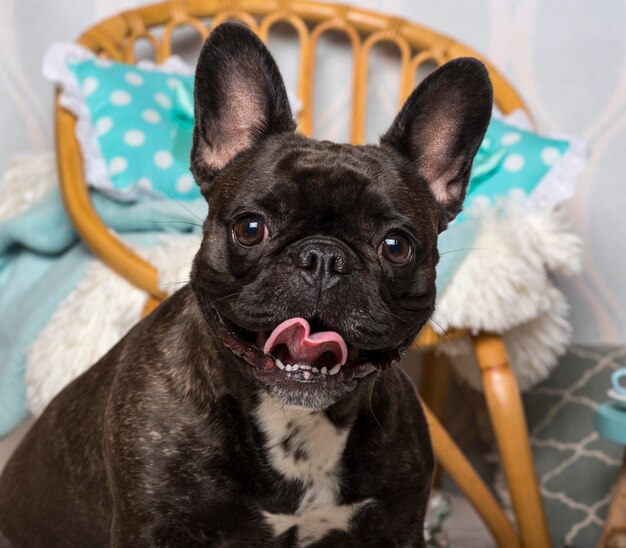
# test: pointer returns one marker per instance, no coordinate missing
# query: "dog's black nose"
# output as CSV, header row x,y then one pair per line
x,y
322,263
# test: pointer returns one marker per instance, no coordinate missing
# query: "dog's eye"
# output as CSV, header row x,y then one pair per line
x,y
250,231
396,248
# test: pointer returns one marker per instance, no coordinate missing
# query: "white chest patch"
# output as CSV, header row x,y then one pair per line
x,y
303,445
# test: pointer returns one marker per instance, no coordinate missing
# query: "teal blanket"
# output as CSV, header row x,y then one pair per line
x,y
42,260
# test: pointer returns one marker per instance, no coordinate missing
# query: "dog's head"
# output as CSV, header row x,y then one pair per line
x,y
317,265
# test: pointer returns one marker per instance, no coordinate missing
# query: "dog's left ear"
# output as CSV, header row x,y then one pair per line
x,y
440,128
240,99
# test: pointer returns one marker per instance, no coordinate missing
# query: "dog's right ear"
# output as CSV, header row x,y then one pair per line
x,y
240,99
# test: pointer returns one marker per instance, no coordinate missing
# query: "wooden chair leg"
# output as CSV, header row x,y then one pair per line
x,y
434,386
456,464
509,423
614,533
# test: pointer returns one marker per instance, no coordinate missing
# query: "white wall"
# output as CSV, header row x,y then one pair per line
x,y
566,57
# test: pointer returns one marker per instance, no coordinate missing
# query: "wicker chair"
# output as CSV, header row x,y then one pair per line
x,y
116,37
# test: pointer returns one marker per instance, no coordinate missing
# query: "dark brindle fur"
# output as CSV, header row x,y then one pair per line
x,y
160,443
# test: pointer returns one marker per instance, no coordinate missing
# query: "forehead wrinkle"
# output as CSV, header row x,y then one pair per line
x,y
306,179
343,209
315,154
326,176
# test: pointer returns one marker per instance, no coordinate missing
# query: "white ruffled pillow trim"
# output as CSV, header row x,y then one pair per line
x,y
558,185
56,70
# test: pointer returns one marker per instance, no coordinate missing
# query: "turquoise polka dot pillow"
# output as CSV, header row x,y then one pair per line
x,y
135,127
512,159
134,122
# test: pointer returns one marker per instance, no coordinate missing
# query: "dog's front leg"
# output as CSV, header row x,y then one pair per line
x,y
176,492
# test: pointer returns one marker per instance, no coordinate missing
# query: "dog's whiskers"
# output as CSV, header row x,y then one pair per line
x,y
189,210
254,305
395,316
372,411
177,222
226,297
169,284
418,346
465,249
445,331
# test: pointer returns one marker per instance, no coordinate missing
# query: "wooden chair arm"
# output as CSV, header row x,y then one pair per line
x,y
102,242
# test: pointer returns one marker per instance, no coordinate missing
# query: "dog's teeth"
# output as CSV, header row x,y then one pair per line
x,y
335,370
288,368
315,370
324,370
280,364
295,367
305,366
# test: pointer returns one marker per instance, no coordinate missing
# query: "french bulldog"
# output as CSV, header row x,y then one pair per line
x,y
258,406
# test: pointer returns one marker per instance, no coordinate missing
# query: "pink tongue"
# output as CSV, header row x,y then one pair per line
x,y
304,347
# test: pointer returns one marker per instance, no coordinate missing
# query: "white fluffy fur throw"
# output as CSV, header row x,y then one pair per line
x,y
505,285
